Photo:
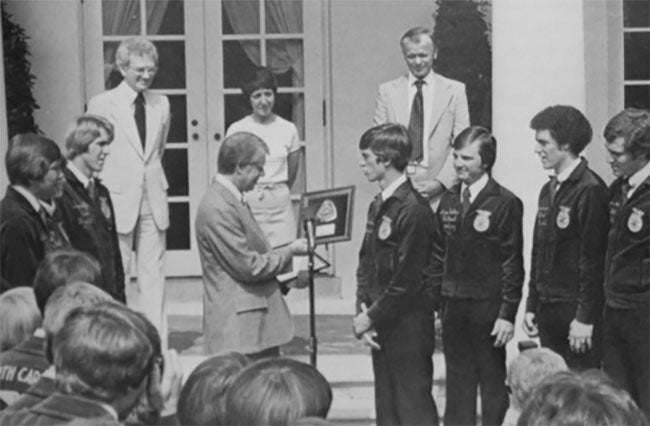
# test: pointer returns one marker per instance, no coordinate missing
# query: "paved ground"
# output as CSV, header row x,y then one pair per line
x,y
342,360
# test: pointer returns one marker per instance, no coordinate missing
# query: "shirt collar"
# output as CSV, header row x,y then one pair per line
x,y
31,199
48,207
109,409
476,187
428,79
78,174
564,174
222,179
390,189
639,177
127,93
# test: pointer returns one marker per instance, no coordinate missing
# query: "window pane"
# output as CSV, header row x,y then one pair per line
x,y
240,16
178,112
637,56
240,58
286,54
283,16
235,108
165,17
637,96
175,165
112,75
171,65
636,13
291,106
178,233
120,17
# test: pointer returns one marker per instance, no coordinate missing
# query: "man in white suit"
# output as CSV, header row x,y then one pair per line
x,y
432,107
243,308
134,175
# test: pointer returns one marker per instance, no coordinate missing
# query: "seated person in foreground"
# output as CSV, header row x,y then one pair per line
x,y
587,398
203,398
277,391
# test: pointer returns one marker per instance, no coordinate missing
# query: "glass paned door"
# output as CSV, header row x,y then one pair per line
x,y
174,26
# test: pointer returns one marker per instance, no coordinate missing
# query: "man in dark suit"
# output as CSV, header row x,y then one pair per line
x,y
478,268
394,317
29,222
244,309
86,207
565,298
626,329
432,107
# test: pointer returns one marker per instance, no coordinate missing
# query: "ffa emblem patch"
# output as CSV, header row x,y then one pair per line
x,y
106,210
635,221
482,220
385,228
327,212
563,217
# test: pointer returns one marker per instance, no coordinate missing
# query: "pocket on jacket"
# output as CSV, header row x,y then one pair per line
x,y
250,302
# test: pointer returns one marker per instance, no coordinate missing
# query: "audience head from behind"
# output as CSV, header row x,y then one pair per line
x,y
528,370
104,353
586,398
19,316
35,163
61,267
277,391
203,398
65,299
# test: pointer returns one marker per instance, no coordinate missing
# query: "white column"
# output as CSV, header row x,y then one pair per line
x,y
4,137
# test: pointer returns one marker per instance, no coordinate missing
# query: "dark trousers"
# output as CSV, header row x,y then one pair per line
x,y
472,361
553,321
404,371
626,358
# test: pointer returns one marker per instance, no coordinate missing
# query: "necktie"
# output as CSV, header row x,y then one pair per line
x,y
140,118
465,202
552,188
91,189
416,122
625,189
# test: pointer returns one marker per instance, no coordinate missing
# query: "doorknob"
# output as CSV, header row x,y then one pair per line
x,y
217,137
194,123
195,136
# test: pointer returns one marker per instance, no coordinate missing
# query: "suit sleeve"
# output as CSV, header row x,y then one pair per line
x,y
381,108
364,269
119,267
413,251
20,257
165,123
593,222
447,175
224,238
512,261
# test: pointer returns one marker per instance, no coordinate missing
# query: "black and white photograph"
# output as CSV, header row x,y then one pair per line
x,y
470,179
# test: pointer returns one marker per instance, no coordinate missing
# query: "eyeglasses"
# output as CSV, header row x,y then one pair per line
x,y
141,71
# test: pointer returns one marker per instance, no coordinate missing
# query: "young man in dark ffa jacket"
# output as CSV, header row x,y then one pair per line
x,y
626,332
565,297
30,226
478,267
86,205
394,315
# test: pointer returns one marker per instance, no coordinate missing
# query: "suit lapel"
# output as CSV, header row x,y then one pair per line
x,y
124,116
401,99
441,97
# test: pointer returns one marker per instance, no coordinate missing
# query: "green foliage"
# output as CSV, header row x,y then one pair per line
x,y
462,36
19,80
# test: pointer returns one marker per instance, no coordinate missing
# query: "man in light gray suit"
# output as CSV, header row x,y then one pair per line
x,y
243,308
432,107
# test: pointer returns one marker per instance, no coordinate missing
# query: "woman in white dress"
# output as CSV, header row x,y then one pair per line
x,y
270,201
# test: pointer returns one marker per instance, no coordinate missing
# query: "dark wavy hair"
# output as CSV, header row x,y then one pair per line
x,y
567,126
633,125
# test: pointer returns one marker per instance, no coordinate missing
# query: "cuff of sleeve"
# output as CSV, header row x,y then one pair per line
x,y
508,312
